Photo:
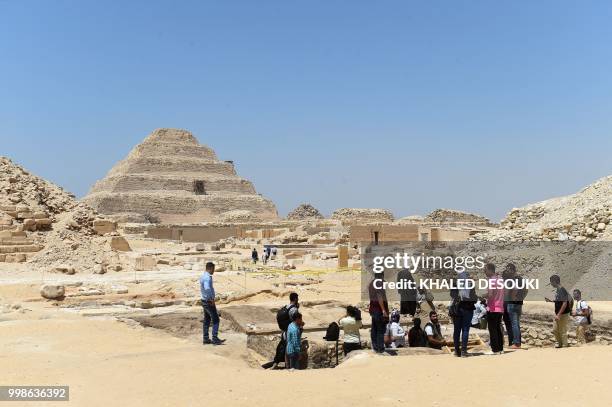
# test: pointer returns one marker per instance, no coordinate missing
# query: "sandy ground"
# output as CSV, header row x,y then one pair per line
x,y
110,363
107,363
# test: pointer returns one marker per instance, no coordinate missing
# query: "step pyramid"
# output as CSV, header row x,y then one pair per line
x,y
171,178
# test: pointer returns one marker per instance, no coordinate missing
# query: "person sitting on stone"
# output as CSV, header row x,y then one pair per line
x,y
416,335
395,336
351,324
582,317
433,331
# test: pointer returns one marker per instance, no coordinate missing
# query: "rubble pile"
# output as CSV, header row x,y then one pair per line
x,y
584,216
238,216
363,215
452,216
304,212
45,225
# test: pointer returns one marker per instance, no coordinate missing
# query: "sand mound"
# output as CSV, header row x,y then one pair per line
x,y
583,216
304,212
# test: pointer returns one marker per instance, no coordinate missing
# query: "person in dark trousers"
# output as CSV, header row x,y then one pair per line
x,y
284,318
433,331
351,324
379,311
495,310
254,256
210,309
408,295
464,300
513,305
294,342
416,335
562,311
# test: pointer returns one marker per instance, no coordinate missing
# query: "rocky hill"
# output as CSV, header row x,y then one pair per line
x,y
42,224
584,216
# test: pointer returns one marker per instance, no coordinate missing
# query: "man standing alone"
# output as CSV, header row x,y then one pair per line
x,y
562,311
379,311
209,306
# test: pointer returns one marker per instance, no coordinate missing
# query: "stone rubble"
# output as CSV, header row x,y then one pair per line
x,y
584,216
304,212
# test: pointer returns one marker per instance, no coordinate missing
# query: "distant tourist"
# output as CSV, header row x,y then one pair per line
x,y
351,324
562,311
274,251
395,336
294,341
268,251
408,294
433,331
416,335
209,306
495,309
513,305
462,311
264,258
254,256
379,311
582,317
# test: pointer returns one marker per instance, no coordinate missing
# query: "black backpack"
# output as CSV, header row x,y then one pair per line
x,y
282,317
357,314
333,332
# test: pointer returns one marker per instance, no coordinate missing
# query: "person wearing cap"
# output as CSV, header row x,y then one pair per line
x,y
379,311
562,311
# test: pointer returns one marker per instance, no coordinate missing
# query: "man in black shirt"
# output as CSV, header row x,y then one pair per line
x,y
562,311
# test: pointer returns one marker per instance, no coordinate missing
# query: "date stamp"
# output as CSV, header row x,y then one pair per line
x,y
34,393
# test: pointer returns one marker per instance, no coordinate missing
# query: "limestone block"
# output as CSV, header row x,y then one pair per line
x,y
119,243
144,263
29,224
103,226
43,223
343,257
52,291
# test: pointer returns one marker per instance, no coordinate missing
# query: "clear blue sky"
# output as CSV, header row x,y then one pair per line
x,y
411,106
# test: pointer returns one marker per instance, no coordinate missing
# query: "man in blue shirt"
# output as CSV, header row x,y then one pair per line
x,y
294,341
210,308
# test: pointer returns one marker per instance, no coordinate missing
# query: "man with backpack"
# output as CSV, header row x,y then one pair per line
x,y
433,331
582,316
563,306
462,311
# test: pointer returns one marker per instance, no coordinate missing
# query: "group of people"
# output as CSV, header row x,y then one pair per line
x,y
466,309
269,253
499,305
